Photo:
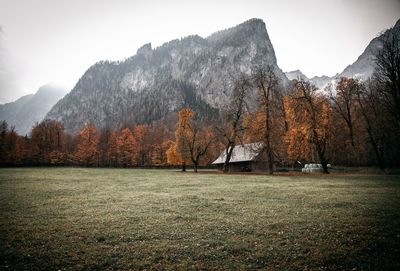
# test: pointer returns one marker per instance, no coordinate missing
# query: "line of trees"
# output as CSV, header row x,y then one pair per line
x,y
350,124
141,145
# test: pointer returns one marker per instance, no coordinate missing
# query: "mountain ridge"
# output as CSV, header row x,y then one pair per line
x,y
154,83
362,68
24,112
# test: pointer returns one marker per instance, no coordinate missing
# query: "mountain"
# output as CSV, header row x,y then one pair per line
x,y
322,81
193,71
319,81
27,110
297,74
364,66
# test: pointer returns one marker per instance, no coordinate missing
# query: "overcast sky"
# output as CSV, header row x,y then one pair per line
x,y
55,41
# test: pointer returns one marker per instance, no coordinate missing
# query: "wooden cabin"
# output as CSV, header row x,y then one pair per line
x,y
245,158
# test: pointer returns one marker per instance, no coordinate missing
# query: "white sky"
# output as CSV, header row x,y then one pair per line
x,y
57,40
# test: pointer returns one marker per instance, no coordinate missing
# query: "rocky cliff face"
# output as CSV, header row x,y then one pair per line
x,y
295,75
193,71
364,66
29,109
319,81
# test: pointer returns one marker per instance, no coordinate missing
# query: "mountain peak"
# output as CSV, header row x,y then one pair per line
x,y
364,66
296,74
397,25
248,28
253,22
29,109
145,49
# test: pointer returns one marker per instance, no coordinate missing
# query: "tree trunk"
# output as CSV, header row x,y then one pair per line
x,y
379,157
268,143
183,167
196,166
321,152
229,151
269,156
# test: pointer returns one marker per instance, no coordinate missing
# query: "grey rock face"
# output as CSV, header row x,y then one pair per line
x,y
364,66
295,75
192,71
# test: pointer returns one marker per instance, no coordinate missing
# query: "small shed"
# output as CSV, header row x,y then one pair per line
x,y
246,157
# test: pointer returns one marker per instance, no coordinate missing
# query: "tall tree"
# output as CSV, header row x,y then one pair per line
x,y
127,147
270,99
372,108
344,102
48,143
231,129
387,72
104,141
173,157
87,153
3,141
112,150
143,138
192,141
309,120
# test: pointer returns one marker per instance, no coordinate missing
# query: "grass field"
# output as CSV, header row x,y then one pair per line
x,y
121,219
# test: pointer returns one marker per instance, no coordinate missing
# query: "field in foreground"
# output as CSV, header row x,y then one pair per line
x,y
120,219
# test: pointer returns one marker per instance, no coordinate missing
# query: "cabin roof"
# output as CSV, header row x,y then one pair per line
x,y
241,153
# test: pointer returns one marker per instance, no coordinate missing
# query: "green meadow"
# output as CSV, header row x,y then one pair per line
x,y
137,219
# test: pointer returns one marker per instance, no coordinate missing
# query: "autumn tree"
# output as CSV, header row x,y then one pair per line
x,y
269,121
104,141
48,144
173,157
141,135
376,120
192,141
112,150
159,155
343,99
231,129
3,141
87,149
309,122
13,148
126,147
160,141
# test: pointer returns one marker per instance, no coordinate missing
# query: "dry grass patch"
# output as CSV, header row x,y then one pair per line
x,y
119,219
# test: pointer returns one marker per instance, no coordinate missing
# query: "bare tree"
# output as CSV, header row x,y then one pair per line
x,y
387,72
231,131
343,102
270,101
193,142
370,104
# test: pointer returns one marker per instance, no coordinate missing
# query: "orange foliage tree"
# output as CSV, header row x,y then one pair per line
x,y
309,119
173,157
267,125
126,146
112,150
87,149
48,144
